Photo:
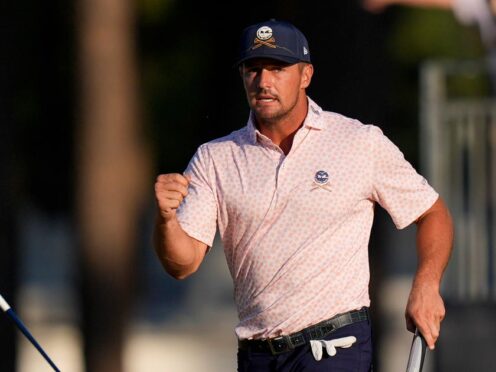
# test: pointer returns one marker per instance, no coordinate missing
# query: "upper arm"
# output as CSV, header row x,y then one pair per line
x,y
438,210
201,250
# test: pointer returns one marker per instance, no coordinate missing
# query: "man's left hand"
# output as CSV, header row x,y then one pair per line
x,y
425,311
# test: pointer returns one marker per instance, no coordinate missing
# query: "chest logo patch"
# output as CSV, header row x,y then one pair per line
x,y
321,180
321,177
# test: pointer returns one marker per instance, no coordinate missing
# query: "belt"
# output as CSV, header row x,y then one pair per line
x,y
317,331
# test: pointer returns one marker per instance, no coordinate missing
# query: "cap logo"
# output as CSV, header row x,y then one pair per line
x,y
264,37
264,33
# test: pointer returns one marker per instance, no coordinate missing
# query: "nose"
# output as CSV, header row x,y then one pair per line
x,y
264,78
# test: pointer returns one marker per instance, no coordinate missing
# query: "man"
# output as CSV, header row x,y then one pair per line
x,y
292,194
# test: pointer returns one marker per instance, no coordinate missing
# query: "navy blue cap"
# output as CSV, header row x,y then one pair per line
x,y
273,39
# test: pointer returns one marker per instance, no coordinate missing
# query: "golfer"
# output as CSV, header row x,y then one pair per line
x,y
292,194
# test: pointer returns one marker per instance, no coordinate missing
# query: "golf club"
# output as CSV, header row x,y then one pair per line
x,y
8,310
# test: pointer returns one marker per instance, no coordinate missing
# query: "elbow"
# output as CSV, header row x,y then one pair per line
x,y
180,274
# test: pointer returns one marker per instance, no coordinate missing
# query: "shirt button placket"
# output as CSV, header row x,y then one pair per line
x,y
281,181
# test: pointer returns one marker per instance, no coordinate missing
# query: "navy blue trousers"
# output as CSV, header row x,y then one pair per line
x,y
357,358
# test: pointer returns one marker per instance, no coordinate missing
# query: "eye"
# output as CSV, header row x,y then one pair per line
x,y
251,70
275,68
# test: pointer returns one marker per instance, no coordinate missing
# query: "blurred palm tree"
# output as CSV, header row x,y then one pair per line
x,y
113,173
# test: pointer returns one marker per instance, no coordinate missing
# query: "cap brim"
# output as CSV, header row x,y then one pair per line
x,y
281,58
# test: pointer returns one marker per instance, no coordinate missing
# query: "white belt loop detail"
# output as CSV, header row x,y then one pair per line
x,y
330,346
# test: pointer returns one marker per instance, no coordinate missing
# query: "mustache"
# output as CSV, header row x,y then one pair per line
x,y
265,93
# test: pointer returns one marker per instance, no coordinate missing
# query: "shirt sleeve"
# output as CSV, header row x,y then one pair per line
x,y
197,214
396,185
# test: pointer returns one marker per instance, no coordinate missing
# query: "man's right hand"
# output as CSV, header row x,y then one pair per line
x,y
170,190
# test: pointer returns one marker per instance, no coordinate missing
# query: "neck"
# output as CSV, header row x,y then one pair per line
x,y
281,131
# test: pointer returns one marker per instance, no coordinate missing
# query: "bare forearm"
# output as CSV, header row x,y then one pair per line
x,y
434,245
179,254
425,309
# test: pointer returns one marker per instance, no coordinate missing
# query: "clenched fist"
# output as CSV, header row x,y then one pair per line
x,y
170,190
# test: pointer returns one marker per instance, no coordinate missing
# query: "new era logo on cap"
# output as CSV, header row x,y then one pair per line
x,y
276,40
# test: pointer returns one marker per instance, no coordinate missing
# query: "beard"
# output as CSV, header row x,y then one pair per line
x,y
273,116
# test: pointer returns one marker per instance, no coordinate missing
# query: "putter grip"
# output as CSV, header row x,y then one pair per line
x,y
417,353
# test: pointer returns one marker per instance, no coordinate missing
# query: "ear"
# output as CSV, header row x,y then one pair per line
x,y
306,75
240,69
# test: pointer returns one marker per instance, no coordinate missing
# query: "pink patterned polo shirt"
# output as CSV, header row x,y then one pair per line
x,y
295,228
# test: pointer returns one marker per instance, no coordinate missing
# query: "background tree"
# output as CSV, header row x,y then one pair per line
x,y
113,173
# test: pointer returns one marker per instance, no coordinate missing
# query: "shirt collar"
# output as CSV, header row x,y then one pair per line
x,y
314,116
313,120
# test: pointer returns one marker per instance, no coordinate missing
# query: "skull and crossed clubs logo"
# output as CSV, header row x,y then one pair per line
x,y
264,37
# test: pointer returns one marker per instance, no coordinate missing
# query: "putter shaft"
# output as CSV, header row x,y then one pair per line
x,y
20,325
